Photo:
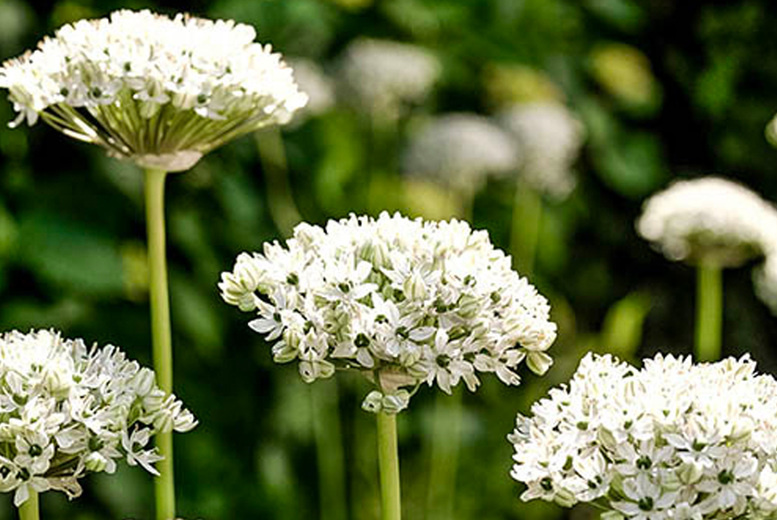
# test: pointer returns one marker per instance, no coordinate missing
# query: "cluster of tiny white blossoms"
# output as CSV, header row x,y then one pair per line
x,y
461,150
161,91
381,76
67,410
402,301
671,441
550,138
709,219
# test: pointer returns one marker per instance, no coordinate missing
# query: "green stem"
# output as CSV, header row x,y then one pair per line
x,y
525,233
29,510
445,448
709,311
329,450
388,462
160,331
280,201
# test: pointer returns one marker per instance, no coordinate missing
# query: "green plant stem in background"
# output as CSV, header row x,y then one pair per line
x,y
444,463
160,331
280,200
29,510
325,403
388,462
709,311
525,231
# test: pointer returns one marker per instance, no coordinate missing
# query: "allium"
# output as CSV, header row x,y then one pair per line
x,y
314,82
156,90
550,138
402,301
382,76
461,150
68,410
671,441
708,219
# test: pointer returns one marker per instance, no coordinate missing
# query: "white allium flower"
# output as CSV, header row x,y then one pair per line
x,y
159,91
314,82
67,410
381,76
709,219
461,150
673,440
550,138
402,301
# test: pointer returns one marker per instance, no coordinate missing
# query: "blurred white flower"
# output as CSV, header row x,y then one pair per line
x,y
402,301
461,150
709,219
67,410
159,91
381,76
550,138
673,440
313,82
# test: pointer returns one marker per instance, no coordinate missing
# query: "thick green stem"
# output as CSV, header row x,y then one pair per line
x,y
29,510
329,450
445,447
280,201
525,233
709,311
388,462
160,331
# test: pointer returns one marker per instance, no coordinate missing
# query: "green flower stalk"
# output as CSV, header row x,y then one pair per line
x,y
712,224
70,410
160,92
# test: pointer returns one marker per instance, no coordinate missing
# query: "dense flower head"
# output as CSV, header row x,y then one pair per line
x,y
67,410
402,301
673,440
161,91
550,138
461,150
709,219
381,76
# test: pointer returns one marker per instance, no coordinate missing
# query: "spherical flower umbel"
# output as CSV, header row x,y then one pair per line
x,y
550,138
381,76
671,441
402,301
709,219
67,410
461,150
157,90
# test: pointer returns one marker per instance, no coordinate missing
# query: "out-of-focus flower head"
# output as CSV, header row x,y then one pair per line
x,y
461,150
709,219
673,440
383,76
625,72
314,82
550,138
67,410
508,84
156,90
402,301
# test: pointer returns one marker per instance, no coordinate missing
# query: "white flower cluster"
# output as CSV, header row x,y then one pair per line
x,y
160,91
402,301
67,410
381,75
671,441
550,138
461,150
710,219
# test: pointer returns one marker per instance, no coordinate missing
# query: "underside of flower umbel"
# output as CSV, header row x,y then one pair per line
x,y
156,90
403,301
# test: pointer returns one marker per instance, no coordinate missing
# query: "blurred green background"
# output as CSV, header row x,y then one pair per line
x,y
665,89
